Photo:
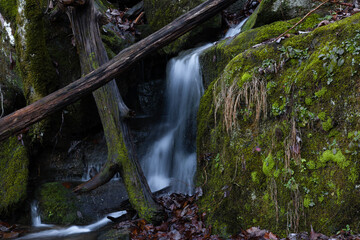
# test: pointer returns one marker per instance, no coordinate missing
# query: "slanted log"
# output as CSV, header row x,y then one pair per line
x,y
59,99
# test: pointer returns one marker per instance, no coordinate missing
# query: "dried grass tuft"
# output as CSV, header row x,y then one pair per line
x,y
251,96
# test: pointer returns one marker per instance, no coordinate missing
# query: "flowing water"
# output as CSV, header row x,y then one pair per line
x,y
171,158
58,232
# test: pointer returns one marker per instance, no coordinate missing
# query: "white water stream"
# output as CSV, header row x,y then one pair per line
x,y
171,159
60,232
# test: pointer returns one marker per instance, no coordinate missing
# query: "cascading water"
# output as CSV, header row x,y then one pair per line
x,y
57,232
171,159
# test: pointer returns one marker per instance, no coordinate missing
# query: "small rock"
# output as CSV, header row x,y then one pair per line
x,y
78,213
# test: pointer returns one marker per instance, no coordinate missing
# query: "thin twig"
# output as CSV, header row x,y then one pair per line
x,y
340,3
301,20
2,103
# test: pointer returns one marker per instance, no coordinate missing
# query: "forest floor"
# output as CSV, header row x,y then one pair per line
x,y
183,221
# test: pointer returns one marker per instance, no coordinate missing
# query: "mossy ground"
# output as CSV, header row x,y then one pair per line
x,y
290,163
13,174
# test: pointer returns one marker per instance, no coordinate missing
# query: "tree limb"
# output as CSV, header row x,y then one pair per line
x,y
59,99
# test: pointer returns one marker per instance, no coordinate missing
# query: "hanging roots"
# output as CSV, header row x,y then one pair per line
x,y
293,145
252,96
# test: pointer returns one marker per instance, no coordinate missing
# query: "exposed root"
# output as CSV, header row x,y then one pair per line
x,y
293,145
104,176
273,191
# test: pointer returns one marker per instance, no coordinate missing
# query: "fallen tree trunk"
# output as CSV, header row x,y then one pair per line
x,y
37,111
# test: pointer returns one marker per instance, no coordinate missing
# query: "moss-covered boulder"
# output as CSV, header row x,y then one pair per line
x,y
214,59
161,12
13,175
57,204
279,133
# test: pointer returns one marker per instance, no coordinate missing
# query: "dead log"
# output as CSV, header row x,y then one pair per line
x,y
59,99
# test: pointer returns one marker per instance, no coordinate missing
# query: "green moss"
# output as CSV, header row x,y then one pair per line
x,y
308,101
57,204
254,177
327,125
246,77
335,156
311,165
9,9
321,92
36,68
322,116
13,174
268,165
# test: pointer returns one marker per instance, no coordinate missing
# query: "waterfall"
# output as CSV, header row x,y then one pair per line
x,y
171,158
35,216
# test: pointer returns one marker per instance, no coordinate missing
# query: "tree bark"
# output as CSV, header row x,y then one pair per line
x,y
121,156
24,117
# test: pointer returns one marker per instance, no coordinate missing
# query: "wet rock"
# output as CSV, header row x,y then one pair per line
x,y
274,10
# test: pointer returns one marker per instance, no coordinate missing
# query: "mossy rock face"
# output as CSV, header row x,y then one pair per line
x,y
280,149
159,13
214,59
57,204
8,9
13,174
11,95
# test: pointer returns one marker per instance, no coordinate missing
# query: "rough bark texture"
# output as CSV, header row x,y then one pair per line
x,y
22,118
111,108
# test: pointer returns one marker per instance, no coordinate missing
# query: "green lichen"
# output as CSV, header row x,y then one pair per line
x,y
57,204
13,174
